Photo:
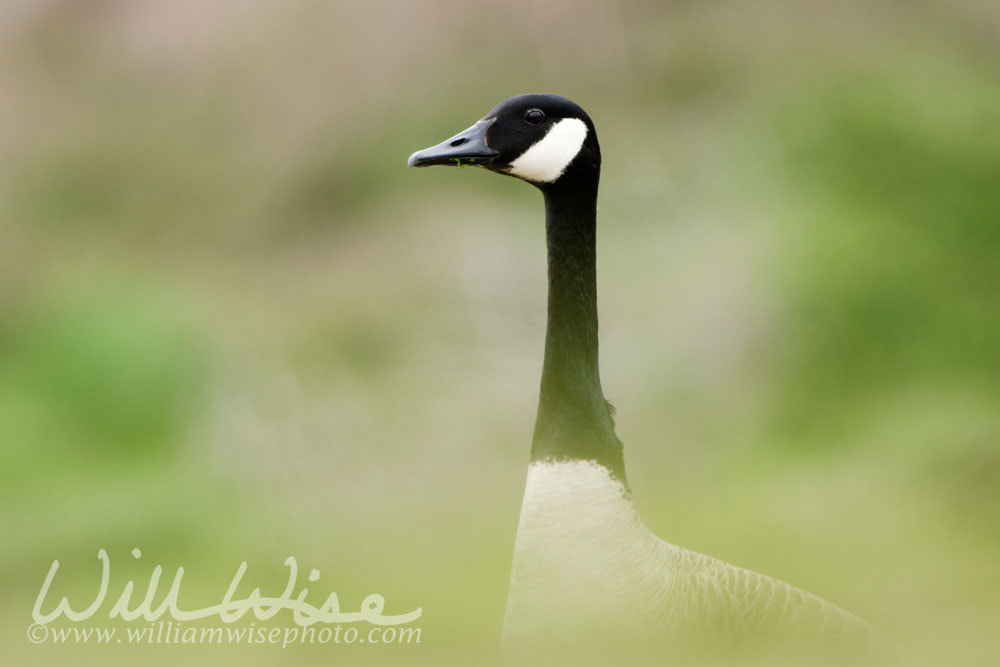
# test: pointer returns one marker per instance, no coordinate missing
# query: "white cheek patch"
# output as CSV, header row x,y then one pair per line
x,y
547,158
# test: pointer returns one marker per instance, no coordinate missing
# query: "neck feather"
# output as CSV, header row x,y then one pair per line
x,y
573,421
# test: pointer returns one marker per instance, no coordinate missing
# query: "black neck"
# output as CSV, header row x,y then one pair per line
x,y
574,421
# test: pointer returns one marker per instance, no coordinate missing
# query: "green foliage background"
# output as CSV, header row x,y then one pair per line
x,y
234,327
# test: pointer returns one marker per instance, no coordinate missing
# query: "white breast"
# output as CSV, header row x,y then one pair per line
x,y
585,564
546,160
582,554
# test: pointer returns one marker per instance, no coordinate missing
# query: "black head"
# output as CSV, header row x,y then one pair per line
x,y
543,139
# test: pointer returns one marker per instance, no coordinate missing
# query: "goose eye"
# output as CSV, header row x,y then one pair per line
x,y
534,116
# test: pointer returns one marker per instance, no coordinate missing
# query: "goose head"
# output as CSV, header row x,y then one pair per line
x,y
542,139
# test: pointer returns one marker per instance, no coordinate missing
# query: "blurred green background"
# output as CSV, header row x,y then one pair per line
x,y
233,325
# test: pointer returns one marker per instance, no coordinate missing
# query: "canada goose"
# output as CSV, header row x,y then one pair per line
x,y
583,559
